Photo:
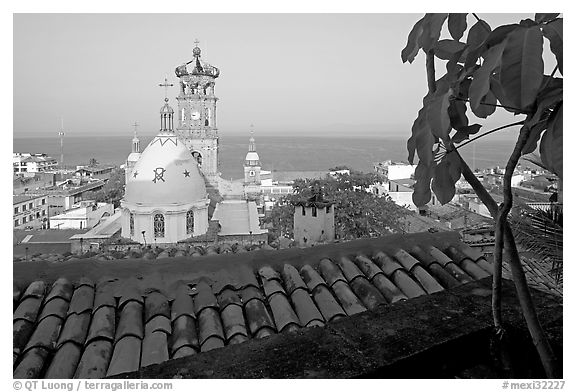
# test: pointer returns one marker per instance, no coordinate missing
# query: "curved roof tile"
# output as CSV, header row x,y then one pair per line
x,y
327,304
269,273
209,325
130,323
28,309
306,309
64,363
443,276
458,273
405,259
211,343
156,304
233,320
426,280
229,297
272,287
368,294
388,289
408,286
311,277
204,298
367,266
386,264
183,334
126,355
250,293
439,256
35,289
184,352
45,334
95,359
82,299
103,325
258,316
75,329
330,272
31,364
349,269
57,306
183,304
22,330
292,279
424,257
62,288
154,348
347,298
158,324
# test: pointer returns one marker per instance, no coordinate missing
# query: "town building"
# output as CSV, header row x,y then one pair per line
x,y
84,216
29,182
30,211
25,162
132,158
91,172
394,170
165,199
314,220
252,180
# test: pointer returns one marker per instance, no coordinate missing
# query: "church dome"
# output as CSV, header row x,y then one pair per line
x,y
166,174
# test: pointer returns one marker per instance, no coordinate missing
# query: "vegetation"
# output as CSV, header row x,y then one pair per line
x,y
358,212
112,191
501,68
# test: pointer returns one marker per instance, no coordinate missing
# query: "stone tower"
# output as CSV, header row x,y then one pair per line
x,y
314,220
252,182
134,155
196,116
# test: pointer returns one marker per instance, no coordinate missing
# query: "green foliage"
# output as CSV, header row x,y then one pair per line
x,y
494,68
112,191
358,213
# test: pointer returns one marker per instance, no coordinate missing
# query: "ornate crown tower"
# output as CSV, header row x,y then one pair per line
x,y
252,182
196,117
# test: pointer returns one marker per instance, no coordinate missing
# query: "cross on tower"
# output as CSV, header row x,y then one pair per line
x,y
135,125
196,42
165,85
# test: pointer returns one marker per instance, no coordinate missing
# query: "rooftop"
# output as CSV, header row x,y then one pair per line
x,y
237,217
64,319
23,198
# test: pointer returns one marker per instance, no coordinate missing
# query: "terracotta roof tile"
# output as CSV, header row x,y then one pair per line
x,y
31,364
62,288
75,329
95,359
284,315
220,308
292,279
327,304
311,277
82,300
209,325
16,292
36,289
64,363
379,280
347,298
126,355
45,334
306,310
204,298
211,343
257,315
183,334
349,269
330,272
28,309
154,347
55,307
103,325
158,324
156,304
233,320
386,264
130,323
183,304
370,296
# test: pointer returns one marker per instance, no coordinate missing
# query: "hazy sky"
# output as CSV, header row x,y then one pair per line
x,y
281,72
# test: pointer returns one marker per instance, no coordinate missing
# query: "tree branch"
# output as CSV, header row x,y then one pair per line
x,y
489,132
491,104
430,71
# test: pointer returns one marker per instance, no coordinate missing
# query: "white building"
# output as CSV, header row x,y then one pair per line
x,y
314,221
29,211
394,170
85,216
24,162
165,199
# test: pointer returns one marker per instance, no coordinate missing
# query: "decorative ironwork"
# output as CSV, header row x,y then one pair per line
x,y
159,174
190,222
186,173
159,226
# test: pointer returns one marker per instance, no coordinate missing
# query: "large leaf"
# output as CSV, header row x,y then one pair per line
x,y
446,173
480,85
432,28
553,31
422,140
476,37
423,176
551,144
446,48
522,66
437,115
457,113
496,88
413,46
499,34
465,132
548,98
487,105
457,25
540,18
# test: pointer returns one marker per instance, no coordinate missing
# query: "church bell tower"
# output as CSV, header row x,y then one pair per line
x,y
196,116
252,181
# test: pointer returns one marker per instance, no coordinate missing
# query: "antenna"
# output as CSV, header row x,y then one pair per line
x,y
61,134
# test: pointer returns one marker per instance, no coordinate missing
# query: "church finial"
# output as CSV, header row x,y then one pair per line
x,y
196,51
252,145
166,112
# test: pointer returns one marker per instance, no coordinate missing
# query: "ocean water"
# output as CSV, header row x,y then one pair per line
x,y
276,152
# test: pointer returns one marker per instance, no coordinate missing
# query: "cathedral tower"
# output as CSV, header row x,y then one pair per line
x,y
196,116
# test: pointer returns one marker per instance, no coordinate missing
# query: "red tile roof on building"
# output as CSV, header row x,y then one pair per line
x,y
92,326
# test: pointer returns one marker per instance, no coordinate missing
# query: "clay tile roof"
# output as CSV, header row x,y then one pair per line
x,y
123,323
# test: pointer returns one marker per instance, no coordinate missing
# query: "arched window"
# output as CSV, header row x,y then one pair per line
x,y
198,157
158,226
190,222
131,224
